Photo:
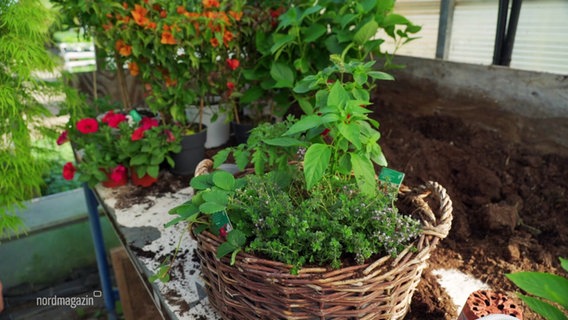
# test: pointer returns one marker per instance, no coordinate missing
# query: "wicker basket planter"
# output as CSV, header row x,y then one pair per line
x,y
255,288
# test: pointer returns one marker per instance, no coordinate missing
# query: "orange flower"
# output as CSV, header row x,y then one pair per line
x,y
125,5
163,14
139,15
107,26
167,38
169,81
122,48
167,28
236,15
151,25
126,19
211,4
214,42
227,37
181,10
134,69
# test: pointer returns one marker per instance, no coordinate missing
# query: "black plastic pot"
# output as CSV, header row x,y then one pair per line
x,y
192,151
241,131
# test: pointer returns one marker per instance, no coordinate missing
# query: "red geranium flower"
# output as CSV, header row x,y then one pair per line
x,y
148,123
88,125
113,119
69,171
62,138
137,134
118,173
170,136
233,63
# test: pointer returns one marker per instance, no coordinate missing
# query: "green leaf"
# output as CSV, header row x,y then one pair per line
x,y
543,285
380,75
252,94
351,133
564,263
280,41
394,18
224,249
377,156
337,95
364,174
139,159
346,19
546,310
344,164
366,32
316,161
282,74
201,182
314,32
153,171
236,238
185,210
220,157
305,123
224,180
284,142
306,106
211,207
217,196
242,159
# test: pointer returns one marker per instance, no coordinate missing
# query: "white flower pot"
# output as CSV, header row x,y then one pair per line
x,y
218,131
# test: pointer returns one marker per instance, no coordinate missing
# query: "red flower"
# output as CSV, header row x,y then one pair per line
x,y
214,42
137,134
113,119
223,231
118,174
325,132
62,138
231,87
171,137
87,125
148,123
69,171
233,63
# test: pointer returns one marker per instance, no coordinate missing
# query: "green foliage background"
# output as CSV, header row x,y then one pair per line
x,y
24,33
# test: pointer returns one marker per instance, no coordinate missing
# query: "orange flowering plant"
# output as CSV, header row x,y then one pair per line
x,y
185,51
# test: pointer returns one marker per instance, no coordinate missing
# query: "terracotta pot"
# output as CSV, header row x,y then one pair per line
x,y
109,183
145,181
485,303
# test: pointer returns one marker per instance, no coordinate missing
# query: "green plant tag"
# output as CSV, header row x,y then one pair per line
x,y
221,219
135,116
391,176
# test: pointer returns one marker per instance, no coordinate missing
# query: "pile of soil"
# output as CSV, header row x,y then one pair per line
x,y
505,174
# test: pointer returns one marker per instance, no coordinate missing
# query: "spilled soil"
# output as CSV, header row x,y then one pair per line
x,y
506,176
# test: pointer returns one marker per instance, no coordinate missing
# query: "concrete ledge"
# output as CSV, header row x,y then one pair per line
x,y
526,93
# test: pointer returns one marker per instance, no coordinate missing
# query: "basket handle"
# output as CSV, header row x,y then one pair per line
x,y
435,224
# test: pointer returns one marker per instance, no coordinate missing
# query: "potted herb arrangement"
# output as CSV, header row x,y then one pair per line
x,y
309,231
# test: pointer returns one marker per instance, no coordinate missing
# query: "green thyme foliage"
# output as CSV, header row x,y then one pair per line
x,y
333,223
